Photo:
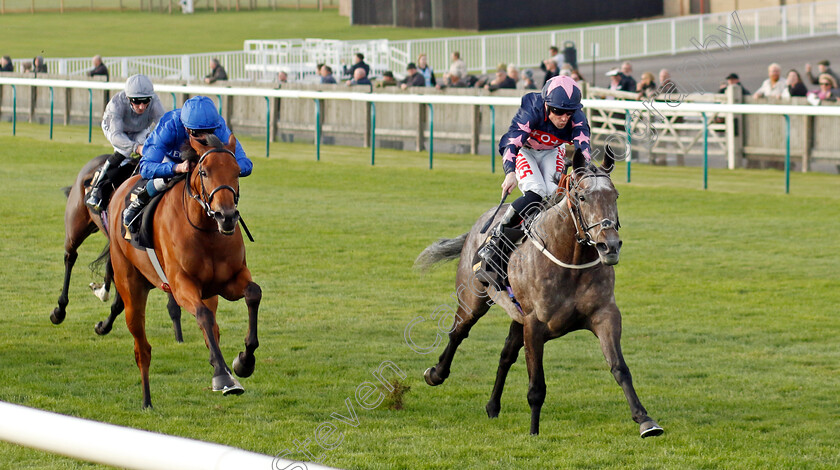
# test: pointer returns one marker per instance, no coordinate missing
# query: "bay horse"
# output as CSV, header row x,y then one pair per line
x,y
79,223
202,256
572,291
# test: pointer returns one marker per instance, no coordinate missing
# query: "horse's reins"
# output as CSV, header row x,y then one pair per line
x,y
204,199
586,239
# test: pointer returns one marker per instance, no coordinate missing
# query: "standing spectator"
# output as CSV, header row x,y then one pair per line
x,y
38,64
628,83
425,70
615,81
528,80
646,87
774,85
99,68
282,77
359,78
823,67
387,80
458,66
513,72
26,67
453,80
733,79
217,72
358,63
554,55
794,87
327,77
827,91
502,80
6,64
413,77
551,70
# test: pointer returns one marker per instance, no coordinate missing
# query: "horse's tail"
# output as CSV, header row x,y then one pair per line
x,y
66,190
444,249
103,259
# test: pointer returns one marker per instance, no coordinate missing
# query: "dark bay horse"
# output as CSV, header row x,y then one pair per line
x,y
202,256
79,223
578,229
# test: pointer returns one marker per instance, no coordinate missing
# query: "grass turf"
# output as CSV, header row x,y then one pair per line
x,y
729,299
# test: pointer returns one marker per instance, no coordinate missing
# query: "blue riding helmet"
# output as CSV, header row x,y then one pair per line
x,y
562,92
199,112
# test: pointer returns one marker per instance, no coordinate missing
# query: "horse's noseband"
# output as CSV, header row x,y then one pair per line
x,y
583,236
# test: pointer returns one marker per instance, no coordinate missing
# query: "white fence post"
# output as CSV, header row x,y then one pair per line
x,y
811,13
784,23
617,42
756,26
645,39
673,36
185,67
483,54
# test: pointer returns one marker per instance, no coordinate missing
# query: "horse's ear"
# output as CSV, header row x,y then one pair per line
x,y
609,159
579,162
231,143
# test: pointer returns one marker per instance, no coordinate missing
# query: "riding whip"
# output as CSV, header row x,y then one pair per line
x,y
487,225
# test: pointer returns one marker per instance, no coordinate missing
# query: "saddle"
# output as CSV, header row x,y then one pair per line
x,y
144,238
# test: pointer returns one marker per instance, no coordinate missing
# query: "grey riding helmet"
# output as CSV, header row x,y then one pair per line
x,y
139,86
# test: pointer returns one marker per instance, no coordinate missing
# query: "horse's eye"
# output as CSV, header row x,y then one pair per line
x,y
581,198
202,173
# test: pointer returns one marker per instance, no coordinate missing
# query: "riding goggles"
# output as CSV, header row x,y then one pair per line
x,y
145,100
560,112
200,132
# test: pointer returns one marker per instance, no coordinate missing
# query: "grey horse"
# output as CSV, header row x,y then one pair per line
x,y
563,280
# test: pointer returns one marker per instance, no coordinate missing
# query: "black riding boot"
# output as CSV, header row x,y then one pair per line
x,y
132,211
498,248
96,199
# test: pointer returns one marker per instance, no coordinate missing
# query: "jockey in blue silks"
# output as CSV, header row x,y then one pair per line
x,y
534,150
162,152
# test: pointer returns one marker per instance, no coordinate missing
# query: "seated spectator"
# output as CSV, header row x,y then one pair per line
x,y
774,85
358,62
823,67
828,88
359,78
646,87
733,79
528,80
794,87
628,83
327,77
6,64
615,81
99,68
217,72
387,80
38,64
551,70
426,71
282,77
412,78
502,80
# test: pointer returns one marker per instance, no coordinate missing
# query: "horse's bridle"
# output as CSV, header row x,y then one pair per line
x,y
582,230
204,199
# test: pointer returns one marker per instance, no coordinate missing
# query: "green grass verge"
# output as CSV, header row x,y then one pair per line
x,y
113,33
729,299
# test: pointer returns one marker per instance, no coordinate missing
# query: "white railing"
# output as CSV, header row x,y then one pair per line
x,y
481,53
123,447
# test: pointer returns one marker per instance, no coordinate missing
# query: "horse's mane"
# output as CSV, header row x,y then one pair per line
x,y
189,154
560,194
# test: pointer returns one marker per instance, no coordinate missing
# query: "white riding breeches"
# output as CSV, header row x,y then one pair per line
x,y
536,169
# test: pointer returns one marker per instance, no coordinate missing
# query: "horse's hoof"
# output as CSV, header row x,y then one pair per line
x,y
228,385
492,409
243,366
431,377
101,329
57,316
99,291
649,429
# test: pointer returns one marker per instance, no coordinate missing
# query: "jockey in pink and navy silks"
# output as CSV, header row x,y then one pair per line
x,y
533,151
162,152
